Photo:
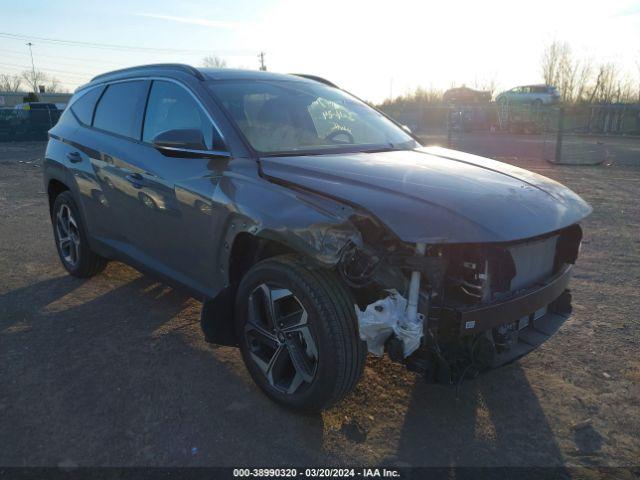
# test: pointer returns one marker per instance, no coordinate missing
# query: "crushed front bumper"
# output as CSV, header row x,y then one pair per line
x,y
531,317
530,337
480,318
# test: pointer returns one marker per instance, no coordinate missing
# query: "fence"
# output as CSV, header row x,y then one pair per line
x,y
585,134
18,124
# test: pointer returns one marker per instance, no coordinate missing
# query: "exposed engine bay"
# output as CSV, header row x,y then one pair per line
x,y
452,311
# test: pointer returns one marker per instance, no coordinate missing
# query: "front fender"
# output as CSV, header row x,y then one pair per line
x,y
315,226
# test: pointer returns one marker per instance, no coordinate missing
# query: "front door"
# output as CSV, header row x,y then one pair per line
x,y
174,223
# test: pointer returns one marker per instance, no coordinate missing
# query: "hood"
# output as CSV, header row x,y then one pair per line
x,y
436,195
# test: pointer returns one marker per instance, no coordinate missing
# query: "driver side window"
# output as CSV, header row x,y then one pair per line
x,y
171,107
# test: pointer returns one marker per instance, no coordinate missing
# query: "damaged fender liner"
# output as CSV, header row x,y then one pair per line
x,y
479,319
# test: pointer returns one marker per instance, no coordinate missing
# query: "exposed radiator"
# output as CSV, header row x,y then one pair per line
x,y
533,261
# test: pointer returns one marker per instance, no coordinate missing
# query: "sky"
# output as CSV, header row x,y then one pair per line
x,y
373,49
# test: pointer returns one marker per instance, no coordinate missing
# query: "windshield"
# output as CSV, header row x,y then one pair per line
x,y
297,117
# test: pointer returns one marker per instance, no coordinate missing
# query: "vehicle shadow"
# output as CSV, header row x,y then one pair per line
x,y
493,420
114,371
106,372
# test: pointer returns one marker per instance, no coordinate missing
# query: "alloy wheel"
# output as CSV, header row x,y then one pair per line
x,y
68,235
279,339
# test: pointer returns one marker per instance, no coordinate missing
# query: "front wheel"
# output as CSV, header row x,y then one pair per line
x,y
298,333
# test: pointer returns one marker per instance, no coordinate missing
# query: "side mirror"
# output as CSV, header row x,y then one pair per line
x,y
180,139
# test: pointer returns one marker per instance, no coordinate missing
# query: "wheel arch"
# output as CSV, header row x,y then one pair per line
x,y
247,249
54,188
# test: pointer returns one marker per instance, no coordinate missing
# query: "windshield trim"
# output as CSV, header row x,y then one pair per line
x,y
338,150
341,150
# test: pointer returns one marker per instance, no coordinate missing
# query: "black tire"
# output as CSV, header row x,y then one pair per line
x,y
87,263
341,354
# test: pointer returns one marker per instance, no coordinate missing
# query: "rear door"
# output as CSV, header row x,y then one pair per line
x,y
115,149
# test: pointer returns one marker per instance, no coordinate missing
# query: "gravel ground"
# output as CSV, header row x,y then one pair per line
x,y
114,370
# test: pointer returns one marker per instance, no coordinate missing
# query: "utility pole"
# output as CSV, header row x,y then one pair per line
x,y
263,67
33,69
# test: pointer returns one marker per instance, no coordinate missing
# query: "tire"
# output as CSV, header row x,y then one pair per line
x,y
74,251
320,360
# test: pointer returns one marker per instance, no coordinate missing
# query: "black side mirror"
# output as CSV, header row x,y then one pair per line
x,y
180,139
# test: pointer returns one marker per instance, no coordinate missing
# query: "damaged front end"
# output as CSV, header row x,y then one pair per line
x,y
451,311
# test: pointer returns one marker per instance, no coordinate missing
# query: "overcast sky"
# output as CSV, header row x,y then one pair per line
x,y
370,48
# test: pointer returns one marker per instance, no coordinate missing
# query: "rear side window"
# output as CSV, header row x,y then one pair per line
x,y
120,109
171,107
83,107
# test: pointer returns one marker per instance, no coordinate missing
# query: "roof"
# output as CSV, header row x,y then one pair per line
x,y
202,74
237,74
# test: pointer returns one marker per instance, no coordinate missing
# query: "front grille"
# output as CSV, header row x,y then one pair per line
x,y
533,261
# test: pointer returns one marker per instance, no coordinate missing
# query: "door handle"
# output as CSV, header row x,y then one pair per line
x,y
74,157
135,179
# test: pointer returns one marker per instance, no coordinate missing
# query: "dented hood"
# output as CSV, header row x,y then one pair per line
x,y
436,195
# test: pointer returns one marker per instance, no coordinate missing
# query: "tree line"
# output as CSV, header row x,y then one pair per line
x,y
30,80
578,80
584,81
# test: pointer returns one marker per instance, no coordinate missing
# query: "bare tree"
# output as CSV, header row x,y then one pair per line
x,y
582,79
37,78
10,83
213,61
487,85
551,62
53,86
570,75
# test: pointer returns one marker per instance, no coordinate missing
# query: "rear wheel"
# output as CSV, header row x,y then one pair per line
x,y
298,333
71,240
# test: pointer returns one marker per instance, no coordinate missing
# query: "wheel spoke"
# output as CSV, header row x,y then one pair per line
x,y
294,320
295,383
261,332
274,366
73,253
263,293
310,344
259,308
301,363
60,224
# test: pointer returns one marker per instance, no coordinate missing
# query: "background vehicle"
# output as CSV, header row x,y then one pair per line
x,y
283,203
530,94
36,106
465,95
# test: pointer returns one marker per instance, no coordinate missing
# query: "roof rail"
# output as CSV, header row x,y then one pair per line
x,y
164,66
316,79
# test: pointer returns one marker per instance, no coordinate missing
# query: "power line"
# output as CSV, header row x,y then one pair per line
x,y
55,57
82,77
111,46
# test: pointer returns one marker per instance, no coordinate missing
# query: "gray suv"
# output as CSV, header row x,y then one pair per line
x,y
312,227
536,95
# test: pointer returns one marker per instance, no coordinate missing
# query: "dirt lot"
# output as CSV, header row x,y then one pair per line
x,y
114,370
